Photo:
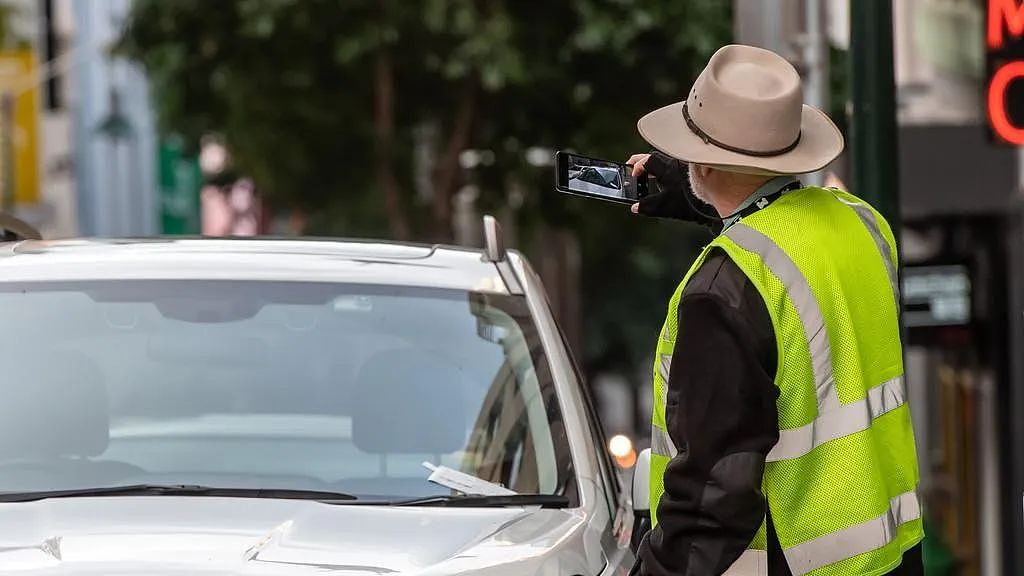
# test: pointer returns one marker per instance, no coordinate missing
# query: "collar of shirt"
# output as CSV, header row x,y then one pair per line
x,y
767,189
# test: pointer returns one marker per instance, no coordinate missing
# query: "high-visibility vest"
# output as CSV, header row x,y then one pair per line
x,y
841,481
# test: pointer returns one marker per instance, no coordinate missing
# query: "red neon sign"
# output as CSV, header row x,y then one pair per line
x,y
997,102
1001,12
1004,31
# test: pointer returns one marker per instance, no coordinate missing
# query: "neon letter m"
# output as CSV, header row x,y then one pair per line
x,y
1000,11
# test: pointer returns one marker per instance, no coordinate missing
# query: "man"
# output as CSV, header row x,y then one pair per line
x,y
781,437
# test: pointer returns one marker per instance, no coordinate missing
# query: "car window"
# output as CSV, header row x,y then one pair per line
x,y
273,384
609,472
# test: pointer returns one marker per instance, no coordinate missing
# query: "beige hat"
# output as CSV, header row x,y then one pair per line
x,y
745,113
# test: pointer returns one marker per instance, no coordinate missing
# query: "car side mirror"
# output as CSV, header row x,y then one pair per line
x,y
641,498
642,484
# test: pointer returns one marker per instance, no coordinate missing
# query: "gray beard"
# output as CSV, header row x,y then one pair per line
x,y
697,186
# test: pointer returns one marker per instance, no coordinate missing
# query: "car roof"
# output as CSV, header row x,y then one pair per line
x,y
267,259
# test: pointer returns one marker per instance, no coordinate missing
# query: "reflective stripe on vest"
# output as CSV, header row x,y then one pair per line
x,y
661,443
857,539
837,546
834,420
868,218
806,306
843,421
750,563
664,365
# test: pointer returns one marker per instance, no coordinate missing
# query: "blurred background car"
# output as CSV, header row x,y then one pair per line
x,y
597,179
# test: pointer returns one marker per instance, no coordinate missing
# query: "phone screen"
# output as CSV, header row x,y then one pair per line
x,y
593,177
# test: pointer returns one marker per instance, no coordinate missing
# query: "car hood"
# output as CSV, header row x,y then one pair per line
x,y
235,536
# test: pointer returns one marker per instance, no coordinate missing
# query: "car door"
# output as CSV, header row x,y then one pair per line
x,y
615,534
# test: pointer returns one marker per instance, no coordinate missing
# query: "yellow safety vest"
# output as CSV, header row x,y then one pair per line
x,y
841,482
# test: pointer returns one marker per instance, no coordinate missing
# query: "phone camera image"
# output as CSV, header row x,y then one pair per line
x,y
589,176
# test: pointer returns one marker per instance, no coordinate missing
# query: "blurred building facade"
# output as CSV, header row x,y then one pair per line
x,y
42,193
115,146
962,250
96,159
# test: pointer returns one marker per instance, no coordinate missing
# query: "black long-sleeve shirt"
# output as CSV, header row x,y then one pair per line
x,y
721,412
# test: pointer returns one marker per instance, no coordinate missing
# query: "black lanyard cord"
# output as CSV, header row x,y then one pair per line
x,y
754,207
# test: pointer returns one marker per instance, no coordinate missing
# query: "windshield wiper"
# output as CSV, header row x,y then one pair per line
x,y
178,490
471,501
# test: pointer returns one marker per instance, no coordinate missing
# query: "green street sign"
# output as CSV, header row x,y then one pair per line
x,y
180,183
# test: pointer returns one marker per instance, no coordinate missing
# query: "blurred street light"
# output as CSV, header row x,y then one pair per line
x,y
115,125
621,447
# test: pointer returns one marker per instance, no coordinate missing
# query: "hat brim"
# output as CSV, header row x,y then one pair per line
x,y
820,143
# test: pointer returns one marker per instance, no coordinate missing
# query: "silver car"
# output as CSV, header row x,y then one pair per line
x,y
294,407
597,180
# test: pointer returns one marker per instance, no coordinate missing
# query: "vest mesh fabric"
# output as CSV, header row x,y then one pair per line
x,y
851,479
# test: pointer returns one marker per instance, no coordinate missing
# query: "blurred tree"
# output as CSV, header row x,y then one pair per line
x,y
8,37
327,105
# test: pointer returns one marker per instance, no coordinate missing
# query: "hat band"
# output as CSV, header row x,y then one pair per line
x,y
709,140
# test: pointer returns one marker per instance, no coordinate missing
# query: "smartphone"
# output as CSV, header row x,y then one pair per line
x,y
612,181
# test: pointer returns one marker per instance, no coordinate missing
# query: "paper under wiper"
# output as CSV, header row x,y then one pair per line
x,y
474,501
465,483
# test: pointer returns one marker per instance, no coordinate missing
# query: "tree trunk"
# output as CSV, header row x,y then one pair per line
x,y
559,269
446,175
384,136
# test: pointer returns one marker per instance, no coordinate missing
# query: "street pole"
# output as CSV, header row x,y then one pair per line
x,y
873,147
815,67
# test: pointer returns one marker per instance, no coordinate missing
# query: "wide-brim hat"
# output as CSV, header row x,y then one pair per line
x,y
745,113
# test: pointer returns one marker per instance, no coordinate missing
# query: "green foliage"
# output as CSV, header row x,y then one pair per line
x,y
294,87
8,38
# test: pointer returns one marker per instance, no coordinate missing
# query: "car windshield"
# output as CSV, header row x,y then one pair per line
x,y
290,385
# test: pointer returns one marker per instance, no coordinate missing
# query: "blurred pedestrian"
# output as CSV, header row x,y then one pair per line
x,y
781,436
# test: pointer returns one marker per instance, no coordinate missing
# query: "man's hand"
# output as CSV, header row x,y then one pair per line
x,y
668,194
638,162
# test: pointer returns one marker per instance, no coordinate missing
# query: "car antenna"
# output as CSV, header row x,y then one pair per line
x,y
494,251
494,242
